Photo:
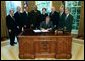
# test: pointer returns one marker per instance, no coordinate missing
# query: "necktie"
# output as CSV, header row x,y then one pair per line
x,y
52,13
61,14
27,13
66,17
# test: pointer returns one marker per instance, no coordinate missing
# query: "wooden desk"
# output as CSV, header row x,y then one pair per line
x,y
44,45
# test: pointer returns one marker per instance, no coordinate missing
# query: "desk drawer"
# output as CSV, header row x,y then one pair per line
x,y
45,39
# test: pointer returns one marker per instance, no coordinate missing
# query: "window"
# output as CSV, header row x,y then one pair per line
x,y
44,4
75,7
13,5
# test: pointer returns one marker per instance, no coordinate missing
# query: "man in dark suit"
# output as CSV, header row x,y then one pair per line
x,y
43,15
18,18
47,24
35,18
54,17
26,18
61,18
68,20
12,27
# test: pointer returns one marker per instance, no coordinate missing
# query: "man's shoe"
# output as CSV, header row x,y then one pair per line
x,y
12,44
15,42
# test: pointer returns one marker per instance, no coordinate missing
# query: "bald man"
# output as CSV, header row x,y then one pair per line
x,y
54,16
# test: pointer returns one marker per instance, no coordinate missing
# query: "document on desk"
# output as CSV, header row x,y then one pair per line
x,y
37,30
44,31
40,30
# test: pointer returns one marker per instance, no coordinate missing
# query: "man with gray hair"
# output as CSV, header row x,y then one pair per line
x,y
54,16
12,26
68,20
18,19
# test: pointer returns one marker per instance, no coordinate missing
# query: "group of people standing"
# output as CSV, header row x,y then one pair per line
x,y
17,22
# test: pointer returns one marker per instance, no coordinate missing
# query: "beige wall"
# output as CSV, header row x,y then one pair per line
x,y
81,24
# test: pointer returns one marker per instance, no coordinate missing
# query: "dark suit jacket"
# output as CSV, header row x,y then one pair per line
x,y
26,19
35,18
43,17
11,24
68,23
55,18
46,26
61,20
18,19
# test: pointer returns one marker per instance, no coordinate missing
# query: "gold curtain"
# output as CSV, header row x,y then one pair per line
x,y
56,4
81,23
22,5
3,20
30,5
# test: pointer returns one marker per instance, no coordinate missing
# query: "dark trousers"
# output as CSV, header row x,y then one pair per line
x,y
12,37
18,31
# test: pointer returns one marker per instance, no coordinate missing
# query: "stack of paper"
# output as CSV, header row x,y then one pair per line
x,y
37,30
44,31
40,30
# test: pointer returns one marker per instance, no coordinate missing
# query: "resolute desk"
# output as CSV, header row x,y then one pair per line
x,y
44,45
